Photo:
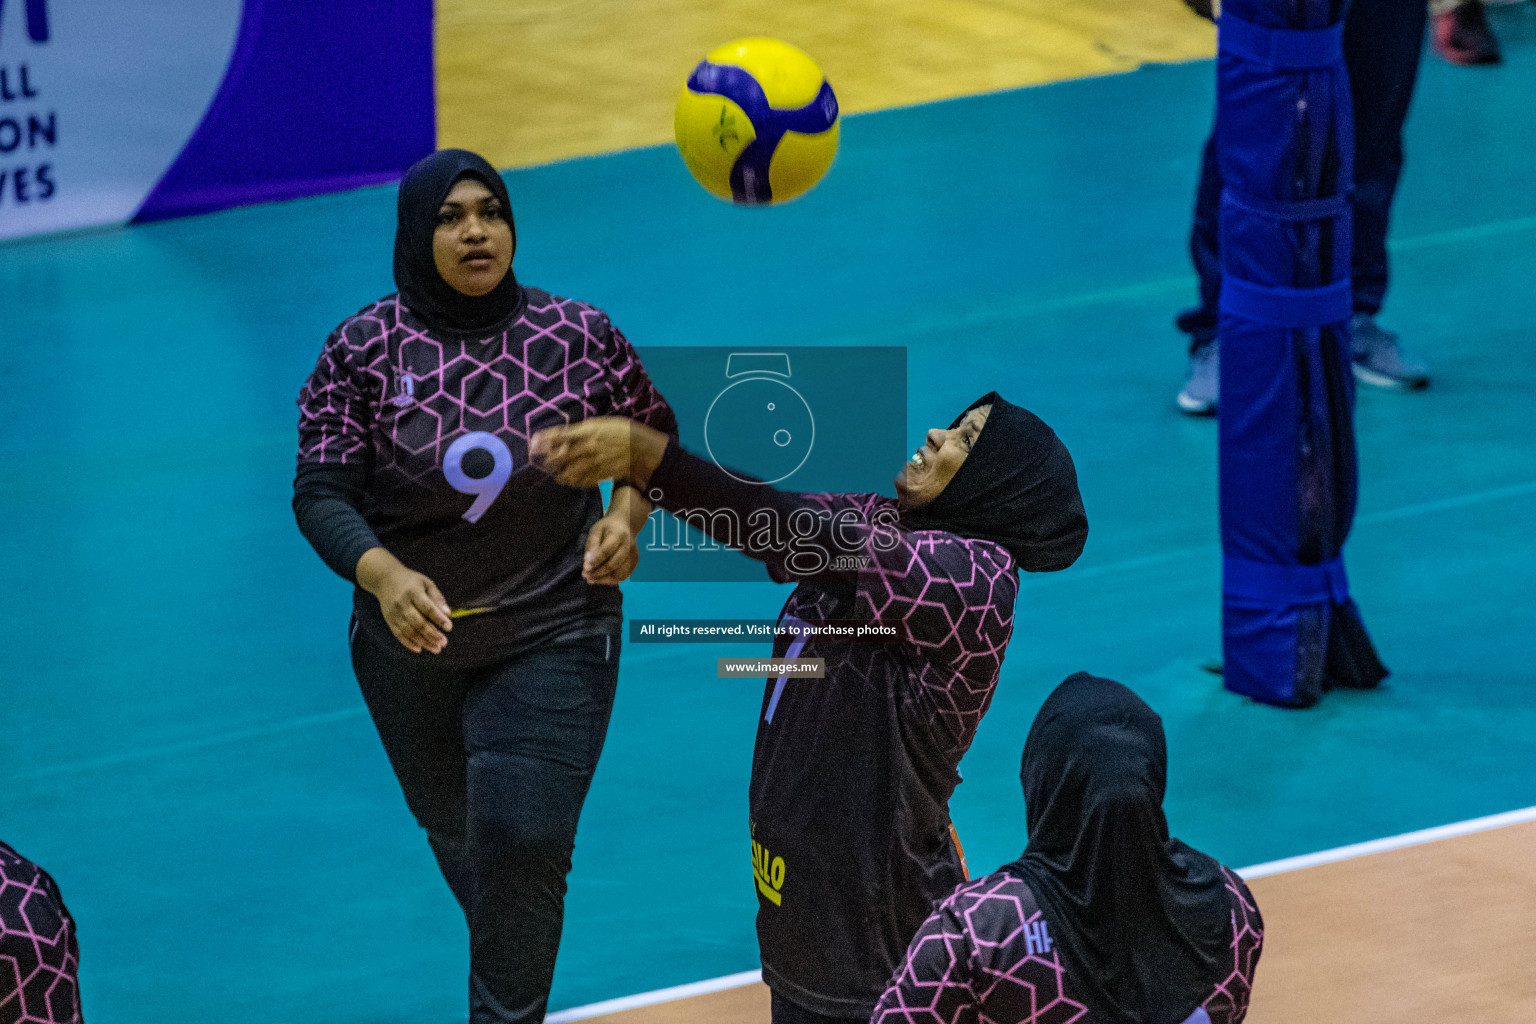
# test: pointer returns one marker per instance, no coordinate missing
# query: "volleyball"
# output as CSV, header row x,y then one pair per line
x,y
757,122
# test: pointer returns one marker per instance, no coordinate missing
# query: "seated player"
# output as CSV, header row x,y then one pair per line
x,y
1105,919
39,957
852,773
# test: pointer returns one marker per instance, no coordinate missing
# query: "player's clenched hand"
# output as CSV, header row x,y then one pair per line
x,y
412,605
603,448
612,553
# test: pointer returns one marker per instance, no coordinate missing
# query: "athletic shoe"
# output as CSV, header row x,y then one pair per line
x,y
1198,395
1462,35
1380,361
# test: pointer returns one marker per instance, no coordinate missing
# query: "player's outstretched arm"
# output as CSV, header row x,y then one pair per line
x,y
602,448
728,506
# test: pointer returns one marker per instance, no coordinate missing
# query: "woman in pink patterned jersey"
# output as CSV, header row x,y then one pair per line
x,y
852,774
485,631
1105,919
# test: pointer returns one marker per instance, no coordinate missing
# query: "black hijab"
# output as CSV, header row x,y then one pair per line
x,y
1017,487
433,300
1141,921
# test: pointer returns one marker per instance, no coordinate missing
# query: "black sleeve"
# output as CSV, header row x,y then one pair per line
x,y
327,497
796,538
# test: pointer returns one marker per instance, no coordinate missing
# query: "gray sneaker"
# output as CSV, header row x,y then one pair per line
x,y
1198,395
1380,361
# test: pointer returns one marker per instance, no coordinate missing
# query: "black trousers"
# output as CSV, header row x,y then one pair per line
x,y
1383,40
495,764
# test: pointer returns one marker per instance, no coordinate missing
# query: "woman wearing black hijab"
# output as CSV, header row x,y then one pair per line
x,y
485,631
852,773
1105,919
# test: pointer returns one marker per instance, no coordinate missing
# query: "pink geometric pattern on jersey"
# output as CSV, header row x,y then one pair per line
x,y
949,597
1229,1003
39,959
971,962
561,361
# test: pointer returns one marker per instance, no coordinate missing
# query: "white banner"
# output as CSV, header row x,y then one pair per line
x,y
97,99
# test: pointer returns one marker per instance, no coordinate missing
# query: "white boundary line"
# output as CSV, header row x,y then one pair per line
x,y
1274,867
1428,835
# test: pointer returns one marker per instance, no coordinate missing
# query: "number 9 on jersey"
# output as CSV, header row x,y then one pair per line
x,y
486,488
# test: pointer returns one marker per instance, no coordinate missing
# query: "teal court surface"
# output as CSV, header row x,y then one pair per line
x,y
184,747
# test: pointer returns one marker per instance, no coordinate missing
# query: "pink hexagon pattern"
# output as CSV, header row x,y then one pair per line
x,y
39,957
984,956
387,390
949,597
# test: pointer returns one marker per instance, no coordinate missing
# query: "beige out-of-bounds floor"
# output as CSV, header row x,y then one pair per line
x,y
1440,932
542,80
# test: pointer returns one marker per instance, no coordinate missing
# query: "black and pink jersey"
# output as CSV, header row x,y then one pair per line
x,y
852,773
985,956
440,421
39,955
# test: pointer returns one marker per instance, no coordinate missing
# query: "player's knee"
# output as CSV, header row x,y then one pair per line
x,y
446,839
443,824
530,842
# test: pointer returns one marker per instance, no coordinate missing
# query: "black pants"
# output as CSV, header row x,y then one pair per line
x,y
786,1012
495,764
1383,40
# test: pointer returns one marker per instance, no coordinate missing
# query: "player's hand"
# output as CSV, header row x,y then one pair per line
x,y
604,448
413,607
612,553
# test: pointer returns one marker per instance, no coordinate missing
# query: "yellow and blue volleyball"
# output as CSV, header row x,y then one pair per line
x,y
757,122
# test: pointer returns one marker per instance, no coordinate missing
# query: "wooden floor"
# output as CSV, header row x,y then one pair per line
x,y
1441,933
1444,932
544,80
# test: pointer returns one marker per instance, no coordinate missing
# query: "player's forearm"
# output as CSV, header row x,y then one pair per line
x,y
804,538
628,504
374,566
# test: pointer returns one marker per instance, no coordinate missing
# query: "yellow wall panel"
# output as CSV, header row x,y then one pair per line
x,y
531,81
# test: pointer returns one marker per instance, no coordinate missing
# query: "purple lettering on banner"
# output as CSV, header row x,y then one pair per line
x,y
317,98
47,130
17,88
37,19
45,179
23,185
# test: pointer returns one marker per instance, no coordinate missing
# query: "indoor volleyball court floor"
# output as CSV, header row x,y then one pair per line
x,y
186,751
